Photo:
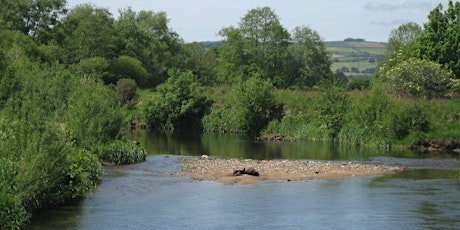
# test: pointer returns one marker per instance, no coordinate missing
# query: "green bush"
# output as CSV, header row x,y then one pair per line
x,y
180,105
83,174
330,108
247,109
13,214
126,88
93,115
122,152
127,67
421,79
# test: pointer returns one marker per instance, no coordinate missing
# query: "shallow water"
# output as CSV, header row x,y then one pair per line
x,y
145,196
142,196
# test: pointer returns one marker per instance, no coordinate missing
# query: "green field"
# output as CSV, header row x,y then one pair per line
x,y
355,58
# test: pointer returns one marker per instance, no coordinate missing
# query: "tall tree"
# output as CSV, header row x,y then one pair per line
x,y
311,57
261,46
402,36
88,32
31,16
440,41
147,37
201,61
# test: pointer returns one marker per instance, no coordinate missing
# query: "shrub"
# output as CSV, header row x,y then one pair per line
x,y
128,67
181,104
93,116
330,107
121,152
13,214
421,79
247,109
126,88
83,174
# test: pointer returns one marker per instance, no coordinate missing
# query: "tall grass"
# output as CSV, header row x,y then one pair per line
x,y
373,119
122,152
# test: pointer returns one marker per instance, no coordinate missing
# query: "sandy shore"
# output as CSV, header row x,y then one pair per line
x,y
221,170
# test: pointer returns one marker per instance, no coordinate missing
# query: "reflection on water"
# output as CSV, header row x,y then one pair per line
x,y
144,196
232,146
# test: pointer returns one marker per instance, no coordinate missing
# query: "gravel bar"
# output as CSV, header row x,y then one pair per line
x,y
221,170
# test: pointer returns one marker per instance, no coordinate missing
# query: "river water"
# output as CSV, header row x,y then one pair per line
x,y
147,196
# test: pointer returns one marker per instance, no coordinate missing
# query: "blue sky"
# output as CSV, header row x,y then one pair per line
x,y
200,20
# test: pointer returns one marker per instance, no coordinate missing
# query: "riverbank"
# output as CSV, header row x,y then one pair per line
x,y
221,170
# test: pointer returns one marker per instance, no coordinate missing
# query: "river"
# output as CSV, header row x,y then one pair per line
x,y
144,196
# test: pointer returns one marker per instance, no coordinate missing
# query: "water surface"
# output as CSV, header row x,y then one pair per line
x,y
147,196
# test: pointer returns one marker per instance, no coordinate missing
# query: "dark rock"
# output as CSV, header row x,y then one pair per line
x,y
249,171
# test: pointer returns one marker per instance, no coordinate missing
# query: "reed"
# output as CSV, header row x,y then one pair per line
x,y
122,152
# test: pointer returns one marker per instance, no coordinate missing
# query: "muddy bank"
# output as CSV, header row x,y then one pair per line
x,y
221,170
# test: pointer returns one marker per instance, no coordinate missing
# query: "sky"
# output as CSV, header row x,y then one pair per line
x,y
334,20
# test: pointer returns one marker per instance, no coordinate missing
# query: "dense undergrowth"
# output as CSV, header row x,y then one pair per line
x,y
374,119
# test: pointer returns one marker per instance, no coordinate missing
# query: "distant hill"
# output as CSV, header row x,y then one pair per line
x,y
355,44
355,57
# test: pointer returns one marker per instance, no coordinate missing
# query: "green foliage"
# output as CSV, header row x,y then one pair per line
x,y
331,107
201,61
445,120
247,110
181,104
47,103
13,214
379,120
440,41
126,88
421,79
83,174
127,67
374,119
87,32
31,17
403,35
146,37
261,47
93,115
310,54
297,126
359,84
95,68
121,152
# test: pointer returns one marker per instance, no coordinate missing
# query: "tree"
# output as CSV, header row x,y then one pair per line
x,y
257,47
87,32
32,17
201,61
147,37
402,36
440,41
310,53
